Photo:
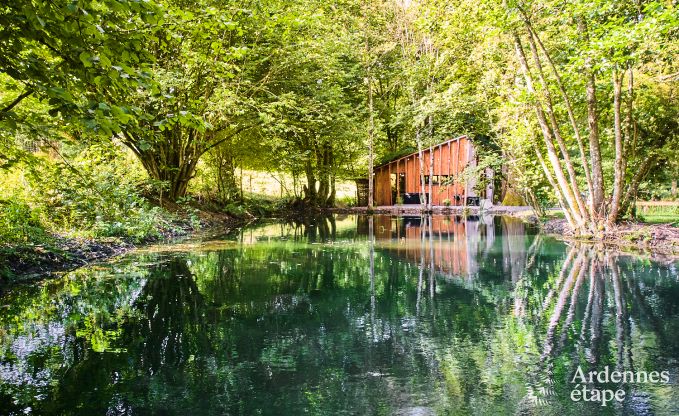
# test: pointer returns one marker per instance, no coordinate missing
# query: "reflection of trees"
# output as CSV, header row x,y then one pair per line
x,y
587,315
318,227
283,326
61,338
514,243
173,312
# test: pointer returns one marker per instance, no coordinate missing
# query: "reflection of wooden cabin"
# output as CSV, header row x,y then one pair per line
x,y
452,245
400,179
449,245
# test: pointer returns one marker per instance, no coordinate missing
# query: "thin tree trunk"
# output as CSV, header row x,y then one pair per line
x,y
431,175
423,198
633,186
563,185
556,188
571,116
333,192
555,126
310,189
371,120
598,190
371,133
618,173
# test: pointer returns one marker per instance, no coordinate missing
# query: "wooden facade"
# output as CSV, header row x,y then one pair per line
x,y
399,180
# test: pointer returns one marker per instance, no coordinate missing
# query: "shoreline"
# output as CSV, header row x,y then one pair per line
x,y
35,262
660,241
437,209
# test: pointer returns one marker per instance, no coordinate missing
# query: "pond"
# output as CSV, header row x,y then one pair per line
x,y
349,315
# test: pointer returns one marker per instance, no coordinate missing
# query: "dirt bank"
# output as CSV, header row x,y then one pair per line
x,y
58,253
661,239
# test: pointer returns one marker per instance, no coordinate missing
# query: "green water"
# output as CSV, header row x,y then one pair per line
x,y
434,315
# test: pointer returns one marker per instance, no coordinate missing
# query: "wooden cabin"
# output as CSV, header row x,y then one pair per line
x,y
398,181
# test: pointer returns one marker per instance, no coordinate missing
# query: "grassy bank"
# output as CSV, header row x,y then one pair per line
x,y
39,251
61,211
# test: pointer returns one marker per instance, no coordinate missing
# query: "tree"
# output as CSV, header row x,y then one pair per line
x,y
616,42
69,59
311,106
200,96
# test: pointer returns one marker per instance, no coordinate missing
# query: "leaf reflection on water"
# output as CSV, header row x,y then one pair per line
x,y
354,314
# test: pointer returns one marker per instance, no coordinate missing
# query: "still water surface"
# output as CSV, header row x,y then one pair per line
x,y
345,315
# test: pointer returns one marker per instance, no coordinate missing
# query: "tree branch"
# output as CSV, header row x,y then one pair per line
x,y
220,141
15,102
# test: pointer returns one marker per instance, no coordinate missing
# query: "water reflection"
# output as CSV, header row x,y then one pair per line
x,y
356,315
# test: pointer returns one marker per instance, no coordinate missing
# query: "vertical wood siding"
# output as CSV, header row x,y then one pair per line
x,y
450,158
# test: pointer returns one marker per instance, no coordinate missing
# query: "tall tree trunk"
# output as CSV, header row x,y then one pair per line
x,y
323,181
371,119
555,186
423,197
598,190
371,134
633,186
172,171
431,176
555,126
618,173
330,202
310,188
569,110
563,185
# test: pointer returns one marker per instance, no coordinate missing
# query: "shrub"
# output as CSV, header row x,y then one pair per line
x,y
19,223
345,202
513,199
95,194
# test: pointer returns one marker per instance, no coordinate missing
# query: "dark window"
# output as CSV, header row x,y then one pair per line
x,y
434,180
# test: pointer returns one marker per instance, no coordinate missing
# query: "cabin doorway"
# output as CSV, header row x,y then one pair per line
x,y
401,187
398,187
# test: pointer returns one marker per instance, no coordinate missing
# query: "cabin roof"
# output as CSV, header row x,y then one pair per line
x,y
464,136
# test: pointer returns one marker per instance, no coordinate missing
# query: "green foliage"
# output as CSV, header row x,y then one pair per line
x,y
76,56
202,89
258,206
390,156
476,173
345,202
19,223
95,195
513,199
